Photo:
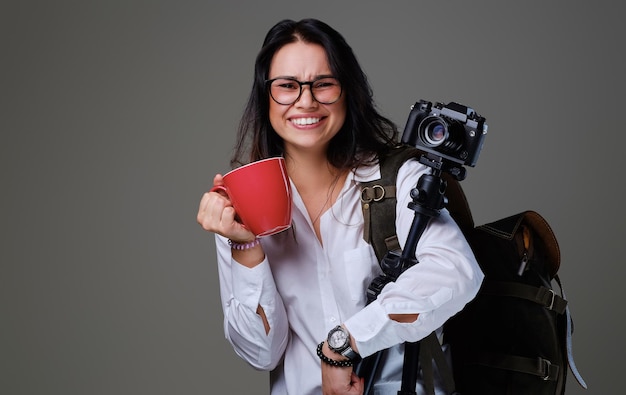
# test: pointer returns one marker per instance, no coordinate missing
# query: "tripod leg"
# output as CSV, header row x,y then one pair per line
x,y
409,369
428,373
368,368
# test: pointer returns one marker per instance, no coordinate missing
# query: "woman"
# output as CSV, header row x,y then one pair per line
x,y
282,295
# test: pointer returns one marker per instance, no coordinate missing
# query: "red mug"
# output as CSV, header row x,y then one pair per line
x,y
261,195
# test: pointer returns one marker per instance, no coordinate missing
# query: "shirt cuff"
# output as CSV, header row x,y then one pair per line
x,y
253,286
372,329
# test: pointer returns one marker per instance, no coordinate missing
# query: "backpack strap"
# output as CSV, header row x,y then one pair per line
x,y
378,201
432,352
568,340
539,367
543,296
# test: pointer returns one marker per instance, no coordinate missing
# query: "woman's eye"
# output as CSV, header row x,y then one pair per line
x,y
288,85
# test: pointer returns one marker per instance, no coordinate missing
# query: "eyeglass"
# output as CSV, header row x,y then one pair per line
x,y
286,91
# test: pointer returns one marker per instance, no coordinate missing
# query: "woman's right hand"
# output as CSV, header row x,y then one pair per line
x,y
216,214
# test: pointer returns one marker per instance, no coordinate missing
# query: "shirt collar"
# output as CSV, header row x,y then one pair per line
x,y
366,173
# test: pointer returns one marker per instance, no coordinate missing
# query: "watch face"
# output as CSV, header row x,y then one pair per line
x,y
337,339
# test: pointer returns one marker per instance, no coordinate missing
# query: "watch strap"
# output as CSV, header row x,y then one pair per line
x,y
351,354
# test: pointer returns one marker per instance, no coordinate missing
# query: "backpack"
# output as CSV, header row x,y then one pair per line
x,y
515,337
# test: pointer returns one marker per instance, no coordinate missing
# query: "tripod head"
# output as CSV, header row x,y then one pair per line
x,y
440,165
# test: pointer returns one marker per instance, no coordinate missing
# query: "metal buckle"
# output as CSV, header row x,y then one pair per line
x,y
553,298
378,193
547,365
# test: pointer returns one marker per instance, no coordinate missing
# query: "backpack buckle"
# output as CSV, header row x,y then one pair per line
x,y
374,193
547,367
553,297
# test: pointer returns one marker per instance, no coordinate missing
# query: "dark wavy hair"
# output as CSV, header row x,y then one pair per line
x,y
365,135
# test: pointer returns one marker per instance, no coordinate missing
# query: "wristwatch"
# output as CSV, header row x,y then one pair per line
x,y
339,342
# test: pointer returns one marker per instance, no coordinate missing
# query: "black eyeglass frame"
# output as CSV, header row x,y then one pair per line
x,y
301,84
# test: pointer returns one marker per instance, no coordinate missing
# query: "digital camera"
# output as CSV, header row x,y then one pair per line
x,y
454,132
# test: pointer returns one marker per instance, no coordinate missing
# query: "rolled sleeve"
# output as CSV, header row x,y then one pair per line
x,y
253,286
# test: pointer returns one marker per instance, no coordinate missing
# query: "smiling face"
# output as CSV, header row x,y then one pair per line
x,y
305,125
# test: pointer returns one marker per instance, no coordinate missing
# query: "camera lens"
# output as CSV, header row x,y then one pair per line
x,y
433,131
436,133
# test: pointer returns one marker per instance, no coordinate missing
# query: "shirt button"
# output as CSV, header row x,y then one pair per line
x,y
333,319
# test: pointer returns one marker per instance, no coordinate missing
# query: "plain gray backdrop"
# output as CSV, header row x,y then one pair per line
x,y
115,115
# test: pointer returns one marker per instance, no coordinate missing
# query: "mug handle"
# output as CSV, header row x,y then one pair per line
x,y
217,188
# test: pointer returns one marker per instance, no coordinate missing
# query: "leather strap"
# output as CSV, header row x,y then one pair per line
x,y
539,367
568,341
431,351
540,295
372,194
378,200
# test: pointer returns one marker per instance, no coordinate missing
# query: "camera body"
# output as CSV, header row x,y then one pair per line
x,y
452,131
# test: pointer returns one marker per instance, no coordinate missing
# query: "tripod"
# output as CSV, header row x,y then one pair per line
x,y
428,198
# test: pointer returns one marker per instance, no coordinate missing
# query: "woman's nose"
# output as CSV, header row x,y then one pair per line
x,y
306,98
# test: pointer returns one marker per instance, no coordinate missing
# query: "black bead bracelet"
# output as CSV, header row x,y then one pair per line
x,y
332,362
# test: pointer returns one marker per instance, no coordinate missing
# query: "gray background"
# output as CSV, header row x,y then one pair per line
x,y
116,115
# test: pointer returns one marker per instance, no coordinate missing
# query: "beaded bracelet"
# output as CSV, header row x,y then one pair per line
x,y
243,246
332,362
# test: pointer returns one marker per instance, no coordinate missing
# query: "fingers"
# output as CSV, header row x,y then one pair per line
x,y
204,201
358,383
215,210
218,180
216,214
338,380
209,204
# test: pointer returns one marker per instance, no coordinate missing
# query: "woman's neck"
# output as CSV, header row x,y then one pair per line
x,y
318,183
310,169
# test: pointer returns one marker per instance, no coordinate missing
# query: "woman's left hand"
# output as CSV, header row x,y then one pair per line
x,y
340,381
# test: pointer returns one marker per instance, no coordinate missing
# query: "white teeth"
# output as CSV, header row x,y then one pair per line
x,y
305,121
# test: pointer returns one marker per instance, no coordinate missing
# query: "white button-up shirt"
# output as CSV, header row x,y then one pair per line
x,y
306,287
